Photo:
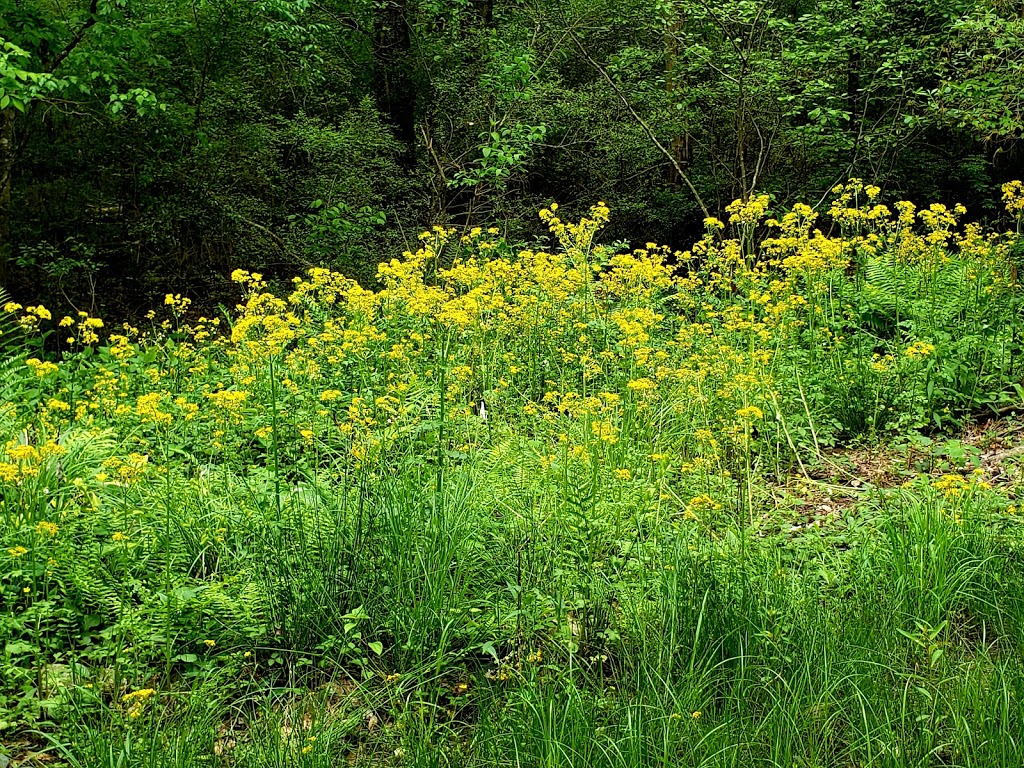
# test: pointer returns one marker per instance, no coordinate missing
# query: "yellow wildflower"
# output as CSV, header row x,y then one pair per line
x,y
41,368
148,408
1013,196
750,413
919,349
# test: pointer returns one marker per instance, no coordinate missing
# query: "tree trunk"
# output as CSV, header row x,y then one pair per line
x,y
680,144
396,94
853,67
7,118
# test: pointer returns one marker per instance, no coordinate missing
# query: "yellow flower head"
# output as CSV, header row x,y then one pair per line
x,y
140,695
41,368
920,349
750,413
1013,197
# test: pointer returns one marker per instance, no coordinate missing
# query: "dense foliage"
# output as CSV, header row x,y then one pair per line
x,y
571,505
149,146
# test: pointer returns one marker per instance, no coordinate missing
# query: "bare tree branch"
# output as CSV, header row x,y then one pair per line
x,y
643,123
74,41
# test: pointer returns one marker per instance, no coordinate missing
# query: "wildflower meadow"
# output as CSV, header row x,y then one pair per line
x,y
558,503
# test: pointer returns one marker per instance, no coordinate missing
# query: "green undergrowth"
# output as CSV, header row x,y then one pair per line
x,y
526,508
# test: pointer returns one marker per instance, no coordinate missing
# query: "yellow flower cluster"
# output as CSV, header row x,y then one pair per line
x,y
228,403
700,505
32,316
24,460
137,701
954,486
147,408
576,238
748,211
128,470
1013,197
919,349
86,328
41,368
177,303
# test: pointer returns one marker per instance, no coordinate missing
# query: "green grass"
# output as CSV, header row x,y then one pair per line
x,y
521,638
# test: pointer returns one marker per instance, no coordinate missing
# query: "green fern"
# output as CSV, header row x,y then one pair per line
x,y
910,297
512,479
14,348
13,342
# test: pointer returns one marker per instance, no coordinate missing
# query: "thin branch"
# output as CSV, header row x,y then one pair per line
x,y
263,231
74,41
643,123
429,143
277,240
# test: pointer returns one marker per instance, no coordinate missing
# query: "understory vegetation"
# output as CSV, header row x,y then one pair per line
x,y
566,504
152,146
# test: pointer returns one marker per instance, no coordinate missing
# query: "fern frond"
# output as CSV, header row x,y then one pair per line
x,y
13,342
511,478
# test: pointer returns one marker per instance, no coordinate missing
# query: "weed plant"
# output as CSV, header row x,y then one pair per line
x,y
525,507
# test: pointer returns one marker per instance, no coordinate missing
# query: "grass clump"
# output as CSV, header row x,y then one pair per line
x,y
527,507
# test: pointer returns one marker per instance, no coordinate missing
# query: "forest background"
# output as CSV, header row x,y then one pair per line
x,y
153,146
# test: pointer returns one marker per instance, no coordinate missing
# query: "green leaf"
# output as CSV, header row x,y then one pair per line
x,y
18,647
490,650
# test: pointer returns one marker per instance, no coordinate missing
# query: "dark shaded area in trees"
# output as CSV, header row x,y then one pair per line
x,y
149,147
